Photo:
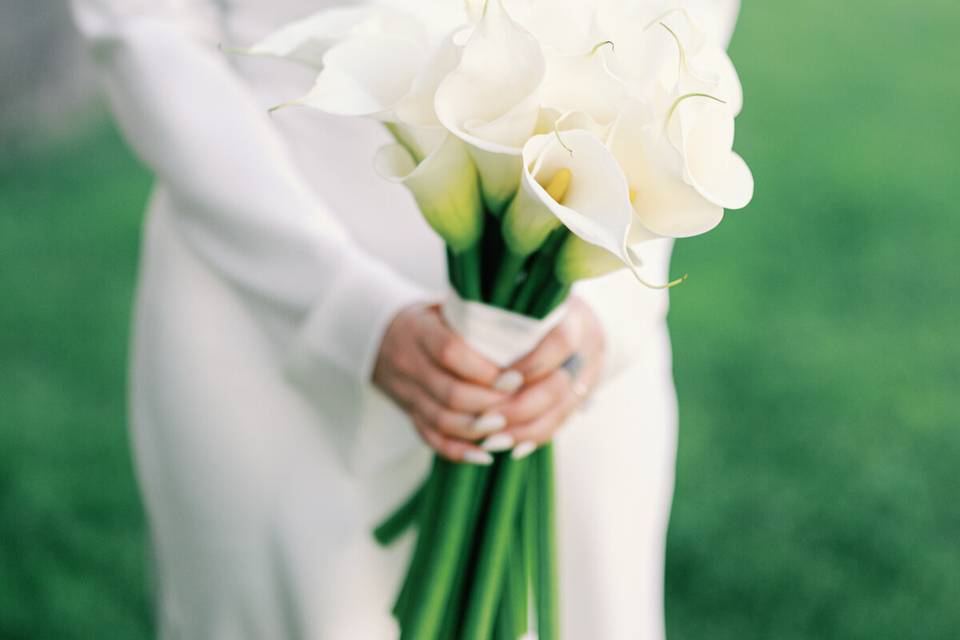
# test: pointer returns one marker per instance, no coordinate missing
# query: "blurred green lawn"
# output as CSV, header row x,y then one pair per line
x,y
816,356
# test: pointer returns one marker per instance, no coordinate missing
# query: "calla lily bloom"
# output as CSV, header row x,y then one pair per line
x,y
584,83
490,100
366,76
595,207
445,186
307,40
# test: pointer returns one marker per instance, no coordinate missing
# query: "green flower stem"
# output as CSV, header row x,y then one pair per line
x,y
466,563
528,533
427,525
543,267
493,247
494,544
552,294
401,519
547,597
538,275
469,267
433,587
517,578
504,628
453,270
511,266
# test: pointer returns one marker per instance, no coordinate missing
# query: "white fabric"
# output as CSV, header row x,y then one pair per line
x,y
273,259
503,337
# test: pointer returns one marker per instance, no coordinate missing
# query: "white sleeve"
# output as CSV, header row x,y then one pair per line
x,y
242,205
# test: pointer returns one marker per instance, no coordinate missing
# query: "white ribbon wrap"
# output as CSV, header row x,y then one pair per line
x,y
501,336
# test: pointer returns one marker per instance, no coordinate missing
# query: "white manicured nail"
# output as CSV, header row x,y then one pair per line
x,y
499,442
509,381
489,422
478,457
523,450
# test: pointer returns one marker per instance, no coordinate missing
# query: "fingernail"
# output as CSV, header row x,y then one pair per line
x,y
499,442
478,457
523,449
509,381
489,422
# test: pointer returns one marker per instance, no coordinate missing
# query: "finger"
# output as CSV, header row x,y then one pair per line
x,y
544,426
450,423
451,448
541,429
561,343
454,393
536,399
449,351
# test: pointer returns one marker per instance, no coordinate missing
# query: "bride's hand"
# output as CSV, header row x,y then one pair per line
x,y
451,392
554,385
442,383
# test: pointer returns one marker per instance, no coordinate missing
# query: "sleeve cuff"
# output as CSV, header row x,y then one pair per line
x,y
347,326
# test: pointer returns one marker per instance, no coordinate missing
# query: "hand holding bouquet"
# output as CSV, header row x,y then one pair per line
x,y
546,141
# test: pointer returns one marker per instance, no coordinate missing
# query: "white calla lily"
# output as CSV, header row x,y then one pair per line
x,y
445,186
663,202
490,100
579,260
417,108
595,206
563,26
643,55
307,40
365,76
583,82
710,164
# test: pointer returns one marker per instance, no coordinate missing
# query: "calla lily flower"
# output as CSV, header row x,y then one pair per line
x,y
366,76
490,100
561,26
307,40
445,186
583,82
664,203
595,206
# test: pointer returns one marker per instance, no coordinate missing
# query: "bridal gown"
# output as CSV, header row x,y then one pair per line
x,y
273,258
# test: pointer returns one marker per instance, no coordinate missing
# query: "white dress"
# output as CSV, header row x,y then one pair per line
x,y
273,259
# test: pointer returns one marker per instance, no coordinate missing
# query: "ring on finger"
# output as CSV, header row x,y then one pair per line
x,y
573,366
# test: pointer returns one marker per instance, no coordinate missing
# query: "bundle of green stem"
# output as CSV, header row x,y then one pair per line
x,y
484,564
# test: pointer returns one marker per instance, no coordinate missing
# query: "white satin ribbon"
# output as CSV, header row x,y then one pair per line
x,y
501,336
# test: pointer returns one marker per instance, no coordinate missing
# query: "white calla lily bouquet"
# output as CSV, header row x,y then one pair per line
x,y
545,141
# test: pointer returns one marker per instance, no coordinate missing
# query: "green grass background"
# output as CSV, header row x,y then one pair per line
x,y
816,355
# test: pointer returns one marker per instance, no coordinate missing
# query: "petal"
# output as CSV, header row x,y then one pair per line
x,y
488,100
663,202
417,108
445,187
552,120
711,71
419,141
583,82
499,176
307,40
565,26
720,175
580,260
597,205
365,76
